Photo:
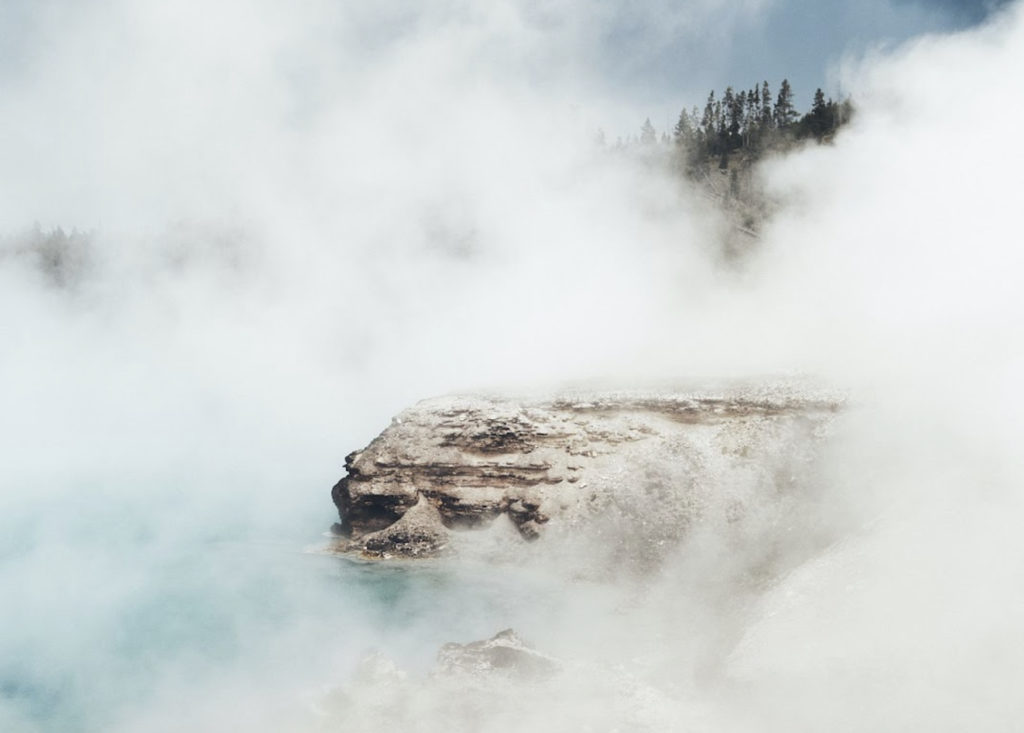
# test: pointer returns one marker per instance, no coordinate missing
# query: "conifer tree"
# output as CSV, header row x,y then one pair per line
x,y
820,120
734,125
752,116
683,132
784,112
821,115
648,136
719,126
707,122
766,106
818,107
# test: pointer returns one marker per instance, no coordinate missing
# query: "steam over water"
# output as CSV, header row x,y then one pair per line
x,y
282,226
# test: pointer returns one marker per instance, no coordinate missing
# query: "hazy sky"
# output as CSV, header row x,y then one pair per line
x,y
661,55
742,42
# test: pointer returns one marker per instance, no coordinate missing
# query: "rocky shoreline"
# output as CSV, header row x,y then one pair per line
x,y
662,458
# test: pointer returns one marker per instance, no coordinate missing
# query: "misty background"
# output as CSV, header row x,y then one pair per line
x,y
284,225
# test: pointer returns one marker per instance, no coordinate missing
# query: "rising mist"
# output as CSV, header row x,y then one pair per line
x,y
293,223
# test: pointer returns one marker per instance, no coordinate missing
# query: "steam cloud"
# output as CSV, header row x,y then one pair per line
x,y
302,220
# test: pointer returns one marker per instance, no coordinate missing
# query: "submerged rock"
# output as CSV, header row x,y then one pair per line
x,y
499,684
504,653
653,461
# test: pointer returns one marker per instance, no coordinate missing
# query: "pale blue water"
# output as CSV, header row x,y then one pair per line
x,y
105,609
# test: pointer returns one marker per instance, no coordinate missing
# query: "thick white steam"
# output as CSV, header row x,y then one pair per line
x,y
304,218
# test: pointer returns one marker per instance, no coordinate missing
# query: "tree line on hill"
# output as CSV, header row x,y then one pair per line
x,y
746,123
731,134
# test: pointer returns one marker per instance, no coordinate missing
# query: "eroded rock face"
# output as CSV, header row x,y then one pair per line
x,y
659,459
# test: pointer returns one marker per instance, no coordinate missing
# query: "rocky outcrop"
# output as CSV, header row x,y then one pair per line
x,y
504,653
418,532
658,459
497,684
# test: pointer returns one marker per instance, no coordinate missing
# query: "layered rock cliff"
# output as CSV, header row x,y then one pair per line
x,y
653,461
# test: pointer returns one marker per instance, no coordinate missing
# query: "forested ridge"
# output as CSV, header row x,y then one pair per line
x,y
718,147
749,121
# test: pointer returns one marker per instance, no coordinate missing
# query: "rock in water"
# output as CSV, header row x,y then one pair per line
x,y
418,532
504,653
654,461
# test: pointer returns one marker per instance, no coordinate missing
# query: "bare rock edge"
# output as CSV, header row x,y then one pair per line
x,y
459,462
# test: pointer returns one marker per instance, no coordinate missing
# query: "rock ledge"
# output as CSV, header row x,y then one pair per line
x,y
454,463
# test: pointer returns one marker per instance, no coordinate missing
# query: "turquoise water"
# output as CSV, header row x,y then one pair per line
x,y
107,612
